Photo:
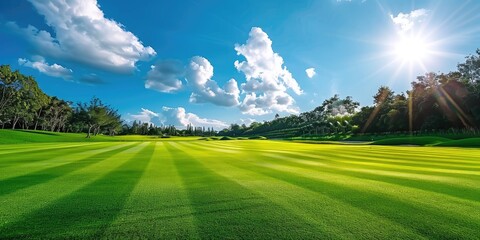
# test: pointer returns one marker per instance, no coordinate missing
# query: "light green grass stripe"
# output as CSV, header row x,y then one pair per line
x,y
44,175
412,161
465,155
28,148
86,212
426,199
15,206
397,203
338,219
441,155
56,158
225,209
385,160
158,207
426,174
444,185
392,158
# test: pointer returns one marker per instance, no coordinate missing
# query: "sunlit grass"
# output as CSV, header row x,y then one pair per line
x,y
237,189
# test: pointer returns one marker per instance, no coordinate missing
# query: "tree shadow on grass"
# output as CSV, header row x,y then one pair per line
x,y
20,182
87,212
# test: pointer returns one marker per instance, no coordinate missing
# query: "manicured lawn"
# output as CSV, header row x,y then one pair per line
x,y
237,189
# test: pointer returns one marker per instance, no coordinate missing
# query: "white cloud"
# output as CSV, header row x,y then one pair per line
x,y
310,72
407,21
54,70
164,76
199,75
145,116
268,102
179,118
84,35
267,78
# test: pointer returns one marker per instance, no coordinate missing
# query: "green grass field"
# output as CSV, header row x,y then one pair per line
x,y
237,189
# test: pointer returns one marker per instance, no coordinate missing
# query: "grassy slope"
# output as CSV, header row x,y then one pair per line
x,y
20,136
420,141
237,189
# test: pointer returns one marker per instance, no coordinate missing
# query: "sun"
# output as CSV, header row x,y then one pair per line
x,y
411,49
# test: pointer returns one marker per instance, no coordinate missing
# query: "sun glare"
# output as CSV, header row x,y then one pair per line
x,y
411,49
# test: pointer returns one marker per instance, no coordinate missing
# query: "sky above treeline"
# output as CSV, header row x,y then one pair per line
x,y
212,63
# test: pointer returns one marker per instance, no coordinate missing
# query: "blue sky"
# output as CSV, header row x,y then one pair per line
x,y
212,63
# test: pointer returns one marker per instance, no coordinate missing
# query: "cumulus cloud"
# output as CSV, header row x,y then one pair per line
x,y
145,116
406,21
310,72
84,35
177,117
267,79
165,76
199,74
54,70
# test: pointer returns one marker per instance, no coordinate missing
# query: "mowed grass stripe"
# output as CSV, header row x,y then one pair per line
x,y
327,156
87,212
425,213
423,174
17,205
55,159
9,156
16,183
34,155
338,220
158,205
225,209
454,186
431,204
460,190
375,195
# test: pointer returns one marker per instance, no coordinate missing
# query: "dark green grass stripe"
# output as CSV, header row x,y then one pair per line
x,y
461,192
427,222
17,183
158,207
226,210
343,220
363,162
42,154
353,161
439,160
392,162
429,154
35,149
87,212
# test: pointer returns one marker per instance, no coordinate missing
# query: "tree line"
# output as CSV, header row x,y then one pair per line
x,y
436,102
139,128
24,105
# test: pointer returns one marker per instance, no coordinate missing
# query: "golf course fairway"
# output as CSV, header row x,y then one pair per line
x,y
248,189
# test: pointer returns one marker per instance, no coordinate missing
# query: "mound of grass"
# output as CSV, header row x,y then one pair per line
x,y
468,142
418,141
258,137
227,138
